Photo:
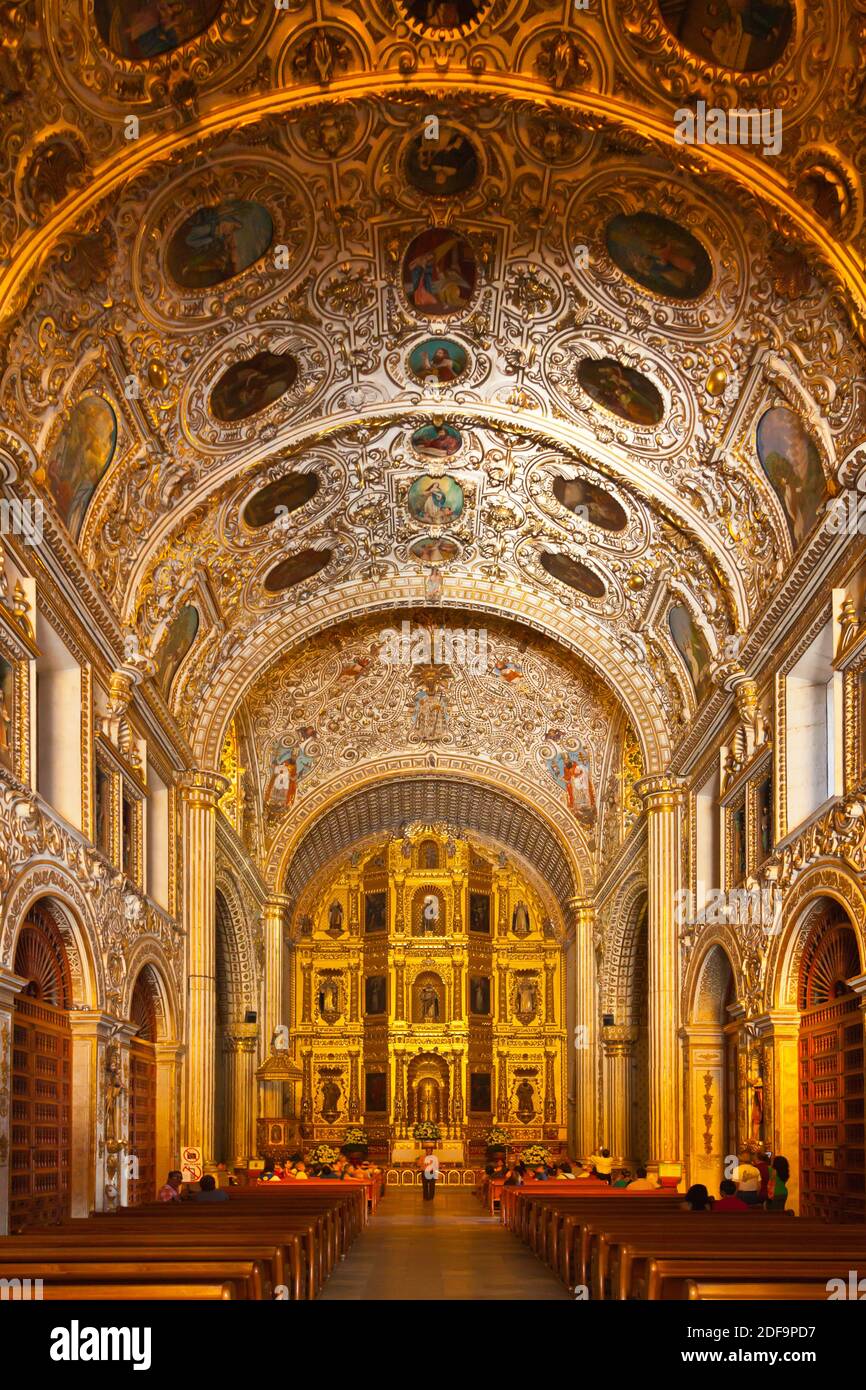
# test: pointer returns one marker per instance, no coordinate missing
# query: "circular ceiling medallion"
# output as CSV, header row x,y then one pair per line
x,y
572,573
589,502
435,550
622,390
139,32
439,273
743,35
438,360
436,441
659,254
218,242
295,569
443,16
280,498
437,501
442,163
251,386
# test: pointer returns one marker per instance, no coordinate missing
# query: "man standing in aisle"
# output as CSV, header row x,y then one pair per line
x,y
429,1173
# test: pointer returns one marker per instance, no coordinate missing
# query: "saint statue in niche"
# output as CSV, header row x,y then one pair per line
x,y
520,920
526,997
330,1101
525,1101
335,918
429,1000
430,913
329,997
428,1100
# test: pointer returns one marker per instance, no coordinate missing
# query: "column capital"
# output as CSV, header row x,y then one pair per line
x,y
618,1038
583,911
10,985
241,1037
200,787
661,792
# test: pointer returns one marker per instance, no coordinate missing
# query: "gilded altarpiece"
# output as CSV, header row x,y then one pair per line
x,y
428,984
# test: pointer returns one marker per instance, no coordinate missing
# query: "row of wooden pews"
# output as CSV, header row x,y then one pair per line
x,y
275,1241
641,1245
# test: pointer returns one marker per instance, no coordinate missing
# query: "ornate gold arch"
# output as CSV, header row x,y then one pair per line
x,y
827,879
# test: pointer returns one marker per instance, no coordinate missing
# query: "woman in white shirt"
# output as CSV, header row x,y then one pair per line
x,y
429,1174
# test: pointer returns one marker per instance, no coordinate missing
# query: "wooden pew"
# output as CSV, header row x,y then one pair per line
x,y
245,1276
147,1293
669,1278
758,1292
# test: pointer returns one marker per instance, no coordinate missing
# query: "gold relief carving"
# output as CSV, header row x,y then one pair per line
x,y
708,1112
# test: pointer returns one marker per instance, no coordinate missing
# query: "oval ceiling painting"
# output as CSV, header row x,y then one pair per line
x,y
84,451
573,573
439,273
295,569
251,386
435,500
659,254
629,394
435,550
792,463
142,29
590,503
438,359
177,643
444,167
280,498
745,35
218,242
436,441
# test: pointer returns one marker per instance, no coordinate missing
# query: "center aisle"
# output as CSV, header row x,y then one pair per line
x,y
447,1248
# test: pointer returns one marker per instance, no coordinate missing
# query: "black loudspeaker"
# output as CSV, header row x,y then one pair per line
x,y
607,1020
250,1016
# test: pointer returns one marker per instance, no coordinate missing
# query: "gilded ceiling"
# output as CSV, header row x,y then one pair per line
x,y
312,313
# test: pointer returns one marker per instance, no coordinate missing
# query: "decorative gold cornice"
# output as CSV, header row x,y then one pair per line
x,y
662,792
200,787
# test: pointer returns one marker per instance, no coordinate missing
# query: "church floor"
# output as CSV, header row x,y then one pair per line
x,y
449,1248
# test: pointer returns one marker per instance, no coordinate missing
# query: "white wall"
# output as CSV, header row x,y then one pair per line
x,y
813,698
708,841
156,830
58,724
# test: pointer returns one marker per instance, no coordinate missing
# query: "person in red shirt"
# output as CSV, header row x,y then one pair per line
x,y
729,1201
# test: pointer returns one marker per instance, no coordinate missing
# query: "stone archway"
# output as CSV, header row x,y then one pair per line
x,y
711,1066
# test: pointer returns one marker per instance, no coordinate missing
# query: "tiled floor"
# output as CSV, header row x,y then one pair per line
x,y
447,1248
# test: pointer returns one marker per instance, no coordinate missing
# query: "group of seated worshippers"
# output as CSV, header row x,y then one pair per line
x,y
759,1182
174,1189
296,1169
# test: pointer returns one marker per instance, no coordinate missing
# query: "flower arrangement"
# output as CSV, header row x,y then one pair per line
x,y
356,1138
427,1132
535,1155
496,1138
323,1153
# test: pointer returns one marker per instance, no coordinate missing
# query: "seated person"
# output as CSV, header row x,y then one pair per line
x,y
564,1172
208,1190
513,1178
777,1186
729,1201
269,1172
540,1173
697,1199
326,1171
623,1179
171,1188
747,1176
642,1183
601,1164
299,1172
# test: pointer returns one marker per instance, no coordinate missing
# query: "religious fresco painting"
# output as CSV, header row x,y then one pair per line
x,y
442,167
289,764
480,1092
436,441
692,647
622,390
438,359
479,912
591,503
7,714
791,461
175,646
435,550
571,768
435,501
479,994
280,498
764,817
103,810
295,569
376,1091
142,29
375,911
218,242
573,573
444,14
375,994
745,35
738,845
659,254
84,450
248,387
439,273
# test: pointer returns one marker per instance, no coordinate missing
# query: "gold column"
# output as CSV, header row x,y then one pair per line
x,y
663,797
354,1092
586,1027
274,919
240,1046
618,1044
200,791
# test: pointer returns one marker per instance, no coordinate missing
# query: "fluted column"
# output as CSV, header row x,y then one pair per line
x,y
618,1044
274,919
585,1027
663,798
200,790
240,1058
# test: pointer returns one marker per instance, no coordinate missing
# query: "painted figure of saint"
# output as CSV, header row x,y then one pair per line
x,y
430,912
430,717
526,996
